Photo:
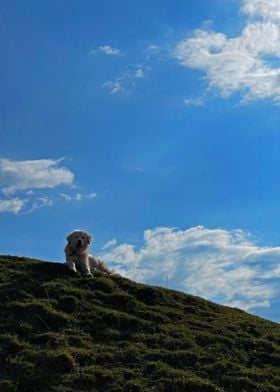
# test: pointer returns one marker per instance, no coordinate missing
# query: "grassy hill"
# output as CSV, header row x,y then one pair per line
x,y
60,332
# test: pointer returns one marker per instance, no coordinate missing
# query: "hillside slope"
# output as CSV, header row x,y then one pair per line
x,y
61,332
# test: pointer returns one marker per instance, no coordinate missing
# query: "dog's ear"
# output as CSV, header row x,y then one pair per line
x,y
69,237
89,238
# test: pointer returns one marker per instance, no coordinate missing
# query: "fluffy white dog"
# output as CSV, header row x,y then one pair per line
x,y
77,256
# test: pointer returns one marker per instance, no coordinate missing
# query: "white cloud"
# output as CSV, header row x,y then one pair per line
x,y
92,195
114,86
268,9
225,266
194,101
35,179
78,196
139,73
33,174
245,63
107,49
12,205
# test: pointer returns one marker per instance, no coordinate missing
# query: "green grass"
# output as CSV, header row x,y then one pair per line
x,y
60,332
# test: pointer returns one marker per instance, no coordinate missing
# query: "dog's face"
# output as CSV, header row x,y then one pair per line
x,y
79,240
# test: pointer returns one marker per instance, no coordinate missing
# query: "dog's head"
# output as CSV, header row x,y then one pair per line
x,y
79,240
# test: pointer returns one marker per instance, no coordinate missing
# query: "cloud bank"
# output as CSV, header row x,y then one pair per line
x,y
249,63
221,265
267,9
29,185
35,174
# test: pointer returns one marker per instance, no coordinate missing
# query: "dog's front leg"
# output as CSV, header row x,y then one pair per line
x,y
85,268
70,264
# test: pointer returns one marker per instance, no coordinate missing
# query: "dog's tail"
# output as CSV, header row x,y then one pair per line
x,y
99,265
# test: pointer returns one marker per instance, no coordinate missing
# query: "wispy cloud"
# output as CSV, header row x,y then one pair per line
x,y
225,266
152,48
139,73
110,244
78,196
115,86
135,71
35,202
194,101
33,174
245,63
14,205
39,202
107,50
125,82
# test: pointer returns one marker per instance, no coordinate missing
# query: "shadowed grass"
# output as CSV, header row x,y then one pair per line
x,y
60,332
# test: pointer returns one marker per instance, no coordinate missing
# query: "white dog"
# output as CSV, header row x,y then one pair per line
x,y
77,256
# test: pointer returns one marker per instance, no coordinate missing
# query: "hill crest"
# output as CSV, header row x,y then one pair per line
x,y
61,332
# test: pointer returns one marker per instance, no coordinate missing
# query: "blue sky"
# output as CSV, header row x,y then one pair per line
x,y
153,126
